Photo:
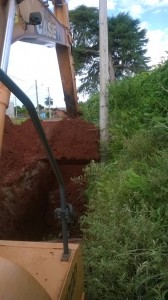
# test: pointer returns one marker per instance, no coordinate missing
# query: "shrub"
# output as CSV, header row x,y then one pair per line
x,y
125,231
126,224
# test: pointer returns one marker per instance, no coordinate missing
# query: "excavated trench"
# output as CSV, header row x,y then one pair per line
x,y
29,192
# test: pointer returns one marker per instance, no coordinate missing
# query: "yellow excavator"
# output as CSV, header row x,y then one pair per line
x,y
39,270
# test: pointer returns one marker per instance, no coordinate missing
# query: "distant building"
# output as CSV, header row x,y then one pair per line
x,y
10,110
59,113
43,115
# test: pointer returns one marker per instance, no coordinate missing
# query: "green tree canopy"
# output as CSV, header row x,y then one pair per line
x,y
48,101
84,23
127,43
41,107
21,111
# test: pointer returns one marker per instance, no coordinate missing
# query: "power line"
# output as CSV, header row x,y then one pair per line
x,y
17,78
32,86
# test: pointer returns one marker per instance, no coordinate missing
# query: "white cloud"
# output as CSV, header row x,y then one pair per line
x,y
136,10
137,7
144,3
158,3
145,25
111,4
157,45
150,2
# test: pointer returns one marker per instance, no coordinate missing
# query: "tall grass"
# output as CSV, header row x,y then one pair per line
x,y
125,228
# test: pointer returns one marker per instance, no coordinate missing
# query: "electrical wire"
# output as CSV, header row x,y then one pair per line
x,y
17,78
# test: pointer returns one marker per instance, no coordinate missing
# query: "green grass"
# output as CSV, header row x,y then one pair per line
x,y
18,121
125,228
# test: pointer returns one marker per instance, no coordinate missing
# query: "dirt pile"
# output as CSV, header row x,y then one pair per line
x,y
28,190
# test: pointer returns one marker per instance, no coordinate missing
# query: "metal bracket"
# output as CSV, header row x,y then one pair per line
x,y
67,214
65,257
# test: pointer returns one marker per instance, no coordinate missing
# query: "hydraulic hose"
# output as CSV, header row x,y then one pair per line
x,y
7,81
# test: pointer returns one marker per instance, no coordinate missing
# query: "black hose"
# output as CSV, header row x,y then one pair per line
x,y
6,80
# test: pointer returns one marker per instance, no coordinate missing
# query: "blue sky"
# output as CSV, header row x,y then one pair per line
x,y
28,62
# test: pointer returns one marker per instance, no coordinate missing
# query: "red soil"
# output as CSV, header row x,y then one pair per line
x,y
29,192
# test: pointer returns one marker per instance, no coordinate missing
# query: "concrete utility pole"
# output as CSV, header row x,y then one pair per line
x,y
38,111
49,103
16,107
104,73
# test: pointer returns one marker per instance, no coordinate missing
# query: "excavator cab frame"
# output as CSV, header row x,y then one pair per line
x,y
37,270
33,22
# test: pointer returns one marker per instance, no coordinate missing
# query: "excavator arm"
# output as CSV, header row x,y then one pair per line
x,y
65,59
33,22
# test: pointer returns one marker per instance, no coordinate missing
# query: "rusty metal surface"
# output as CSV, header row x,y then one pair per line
x,y
4,102
68,80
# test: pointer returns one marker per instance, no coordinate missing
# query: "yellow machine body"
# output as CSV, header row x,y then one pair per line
x,y
35,271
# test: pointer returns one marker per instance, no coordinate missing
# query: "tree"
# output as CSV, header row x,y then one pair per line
x,y
17,109
84,22
41,107
48,101
23,111
127,43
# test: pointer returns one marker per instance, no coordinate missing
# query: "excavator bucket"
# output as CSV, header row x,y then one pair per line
x,y
35,271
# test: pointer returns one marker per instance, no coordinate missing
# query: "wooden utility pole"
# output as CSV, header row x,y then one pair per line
x,y
104,73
